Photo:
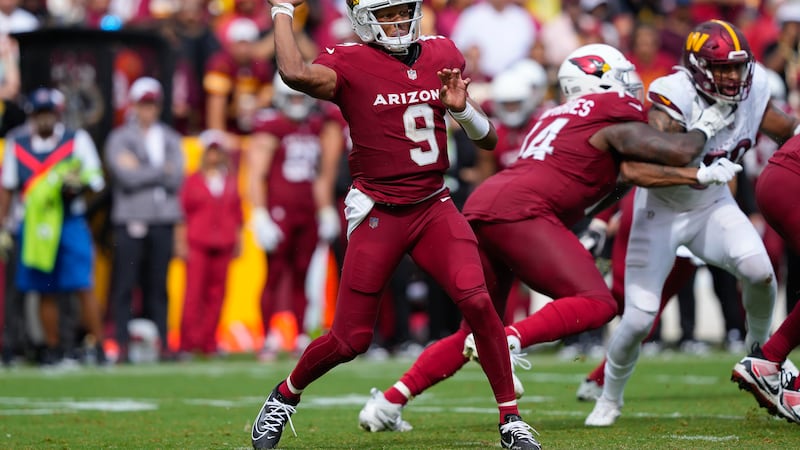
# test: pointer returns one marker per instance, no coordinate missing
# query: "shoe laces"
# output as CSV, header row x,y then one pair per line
x,y
520,430
518,359
278,413
787,380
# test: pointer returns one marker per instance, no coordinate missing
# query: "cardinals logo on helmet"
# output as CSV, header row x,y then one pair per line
x,y
591,65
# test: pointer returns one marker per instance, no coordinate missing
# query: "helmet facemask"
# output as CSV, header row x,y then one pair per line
x,y
715,51
716,85
364,16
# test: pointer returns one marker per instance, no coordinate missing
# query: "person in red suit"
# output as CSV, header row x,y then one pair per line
x,y
209,240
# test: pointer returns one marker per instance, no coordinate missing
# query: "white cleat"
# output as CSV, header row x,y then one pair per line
x,y
604,414
589,391
380,414
517,359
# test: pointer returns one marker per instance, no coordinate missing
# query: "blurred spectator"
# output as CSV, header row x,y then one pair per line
x,y
566,32
254,10
193,42
675,25
96,15
208,241
494,34
598,15
9,68
146,163
14,19
11,304
447,17
51,167
264,45
646,54
326,24
236,82
292,165
782,56
727,10
11,115
760,26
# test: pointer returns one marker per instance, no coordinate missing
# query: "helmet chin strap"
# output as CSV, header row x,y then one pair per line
x,y
407,56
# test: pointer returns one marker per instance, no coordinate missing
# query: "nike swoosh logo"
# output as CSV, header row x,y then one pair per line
x,y
774,391
444,199
635,106
330,50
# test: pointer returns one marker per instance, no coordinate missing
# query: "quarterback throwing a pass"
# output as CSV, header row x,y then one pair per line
x,y
718,67
394,91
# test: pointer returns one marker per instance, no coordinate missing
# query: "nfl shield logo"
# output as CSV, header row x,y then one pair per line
x,y
373,222
412,74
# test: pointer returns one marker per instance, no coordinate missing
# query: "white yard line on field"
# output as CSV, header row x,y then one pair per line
x,y
703,438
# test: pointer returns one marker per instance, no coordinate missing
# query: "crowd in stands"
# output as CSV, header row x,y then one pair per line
x,y
223,88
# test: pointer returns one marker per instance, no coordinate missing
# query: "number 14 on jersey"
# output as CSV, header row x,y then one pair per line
x,y
539,143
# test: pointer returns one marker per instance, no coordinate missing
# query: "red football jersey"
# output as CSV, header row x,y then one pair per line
x,y
295,164
558,172
396,119
788,155
509,143
224,76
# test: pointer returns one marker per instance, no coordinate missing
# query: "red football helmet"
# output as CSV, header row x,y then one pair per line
x,y
719,59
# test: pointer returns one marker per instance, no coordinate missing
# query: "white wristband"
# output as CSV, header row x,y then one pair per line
x,y
475,124
282,8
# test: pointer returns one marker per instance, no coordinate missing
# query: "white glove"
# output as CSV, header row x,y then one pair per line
x,y
710,120
268,234
593,238
721,171
328,227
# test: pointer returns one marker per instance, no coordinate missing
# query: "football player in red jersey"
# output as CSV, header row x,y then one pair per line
x,y
570,160
763,372
292,163
394,91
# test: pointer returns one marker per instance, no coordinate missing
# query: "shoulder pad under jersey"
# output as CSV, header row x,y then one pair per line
x,y
674,94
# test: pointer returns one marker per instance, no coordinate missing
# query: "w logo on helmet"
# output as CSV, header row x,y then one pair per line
x,y
591,65
695,41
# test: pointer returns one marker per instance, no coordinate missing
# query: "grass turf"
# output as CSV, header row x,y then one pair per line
x,y
673,401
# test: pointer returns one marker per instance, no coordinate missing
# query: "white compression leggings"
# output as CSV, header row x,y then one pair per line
x,y
623,350
759,289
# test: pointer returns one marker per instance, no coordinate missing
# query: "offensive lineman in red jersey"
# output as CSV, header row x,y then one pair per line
x,y
522,215
394,91
762,372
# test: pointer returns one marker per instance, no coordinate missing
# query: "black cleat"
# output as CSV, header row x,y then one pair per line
x,y
271,420
517,435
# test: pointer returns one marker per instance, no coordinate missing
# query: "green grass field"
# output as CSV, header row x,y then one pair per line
x,y
673,401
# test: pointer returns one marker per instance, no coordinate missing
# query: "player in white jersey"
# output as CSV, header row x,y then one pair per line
x,y
718,66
